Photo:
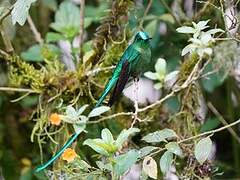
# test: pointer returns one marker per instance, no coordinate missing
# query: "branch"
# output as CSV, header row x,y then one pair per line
x,y
223,121
82,4
6,14
112,116
18,90
34,30
145,13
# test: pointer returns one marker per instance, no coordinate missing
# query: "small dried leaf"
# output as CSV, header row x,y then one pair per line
x,y
150,167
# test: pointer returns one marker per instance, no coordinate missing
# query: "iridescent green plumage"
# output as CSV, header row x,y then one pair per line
x,y
135,60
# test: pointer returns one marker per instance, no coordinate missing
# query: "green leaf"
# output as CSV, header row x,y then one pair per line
x,y
97,145
107,136
159,136
167,18
210,124
161,67
83,165
54,37
214,31
125,161
158,85
33,54
103,166
98,111
20,11
146,150
166,161
186,29
150,75
79,127
150,167
203,149
174,148
123,136
151,27
67,19
71,112
82,109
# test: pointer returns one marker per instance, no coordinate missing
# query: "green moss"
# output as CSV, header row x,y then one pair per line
x,y
187,67
25,75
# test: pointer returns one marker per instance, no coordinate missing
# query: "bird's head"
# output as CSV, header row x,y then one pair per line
x,y
142,36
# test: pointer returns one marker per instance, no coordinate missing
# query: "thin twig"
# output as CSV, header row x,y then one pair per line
x,y
145,13
224,122
18,90
34,30
20,98
112,116
6,14
97,70
81,30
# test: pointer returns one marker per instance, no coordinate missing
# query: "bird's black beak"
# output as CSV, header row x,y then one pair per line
x,y
150,38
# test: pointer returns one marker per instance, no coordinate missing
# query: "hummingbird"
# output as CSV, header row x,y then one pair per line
x,y
135,60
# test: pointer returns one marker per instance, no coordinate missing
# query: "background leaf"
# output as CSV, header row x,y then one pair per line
x,y
97,145
107,136
125,161
166,161
203,149
174,148
159,136
146,150
123,136
98,111
33,54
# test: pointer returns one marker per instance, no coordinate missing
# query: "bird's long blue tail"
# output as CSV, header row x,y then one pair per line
x,y
58,154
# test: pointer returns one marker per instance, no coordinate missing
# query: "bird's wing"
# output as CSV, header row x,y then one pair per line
x,y
121,82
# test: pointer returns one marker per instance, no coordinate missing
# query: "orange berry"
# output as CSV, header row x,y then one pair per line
x,y
69,155
55,119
